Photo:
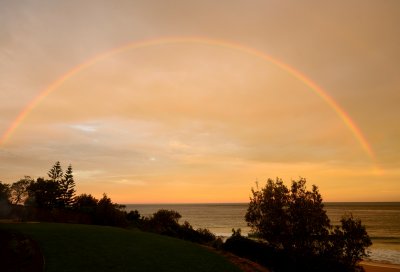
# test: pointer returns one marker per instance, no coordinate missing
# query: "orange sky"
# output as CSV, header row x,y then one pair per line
x,y
197,121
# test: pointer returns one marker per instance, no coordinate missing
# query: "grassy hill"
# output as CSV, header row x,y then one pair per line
x,y
70,247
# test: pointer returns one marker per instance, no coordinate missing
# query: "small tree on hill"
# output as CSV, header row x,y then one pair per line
x,y
164,222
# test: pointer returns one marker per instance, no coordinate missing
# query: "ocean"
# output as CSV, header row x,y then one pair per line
x,y
382,221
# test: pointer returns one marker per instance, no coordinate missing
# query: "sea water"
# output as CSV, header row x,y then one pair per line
x,y
382,221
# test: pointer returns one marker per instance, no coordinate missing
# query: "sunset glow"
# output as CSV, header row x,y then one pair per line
x,y
183,111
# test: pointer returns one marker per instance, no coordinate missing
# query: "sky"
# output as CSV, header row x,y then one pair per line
x,y
195,101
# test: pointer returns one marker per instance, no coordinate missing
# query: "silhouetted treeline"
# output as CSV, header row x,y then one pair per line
x,y
291,230
54,200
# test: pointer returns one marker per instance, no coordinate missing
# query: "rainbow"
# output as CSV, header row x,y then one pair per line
x,y
314,87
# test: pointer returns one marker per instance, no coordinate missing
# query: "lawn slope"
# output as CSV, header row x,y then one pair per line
x,y
70,247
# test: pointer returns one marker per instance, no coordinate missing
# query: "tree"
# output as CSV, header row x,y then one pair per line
x,y
350,240
56,173
294,221
309,223
85,203
67,185
109,213
4,192
19,190
44,193
267,213
4,199
164,222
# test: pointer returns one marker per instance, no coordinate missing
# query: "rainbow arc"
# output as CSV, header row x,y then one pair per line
x,y
314,87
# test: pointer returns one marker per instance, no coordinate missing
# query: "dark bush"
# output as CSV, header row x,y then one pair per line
x,y
166,222
278,260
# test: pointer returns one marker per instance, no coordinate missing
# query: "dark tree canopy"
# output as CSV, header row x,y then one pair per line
x,y
56,192
4,192
351,240
165,221
19,191
109,213
44,194
4,199
85,202
294,221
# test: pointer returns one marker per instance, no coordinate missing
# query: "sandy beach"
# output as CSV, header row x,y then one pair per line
x,y
377,267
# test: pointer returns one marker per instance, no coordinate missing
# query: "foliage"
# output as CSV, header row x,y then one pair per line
x,y
163,222
4,191
4,199
109,213
267,213
85,203
166,222
295,223
276,259
349,241
56,173
309,223
67,186
134,219
44,194
133,216
200,235
250,249
19,192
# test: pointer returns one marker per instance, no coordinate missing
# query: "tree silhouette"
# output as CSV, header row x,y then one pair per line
x,y
44,194
56,173
267,213
85,203
109,213
67,186
4,192
4,199
19,191
294,221
350,240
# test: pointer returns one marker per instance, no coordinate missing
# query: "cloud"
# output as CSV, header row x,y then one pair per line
x,y
84,127
131,182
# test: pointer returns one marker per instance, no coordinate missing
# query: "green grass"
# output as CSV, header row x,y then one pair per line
x,y
70,247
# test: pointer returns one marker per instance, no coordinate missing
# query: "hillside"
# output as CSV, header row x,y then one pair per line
x,y
71,247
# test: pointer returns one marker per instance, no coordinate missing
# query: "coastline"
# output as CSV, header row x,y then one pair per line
x,y
380,267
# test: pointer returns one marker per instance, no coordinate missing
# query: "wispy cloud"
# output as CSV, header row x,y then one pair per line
x,y
84,127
